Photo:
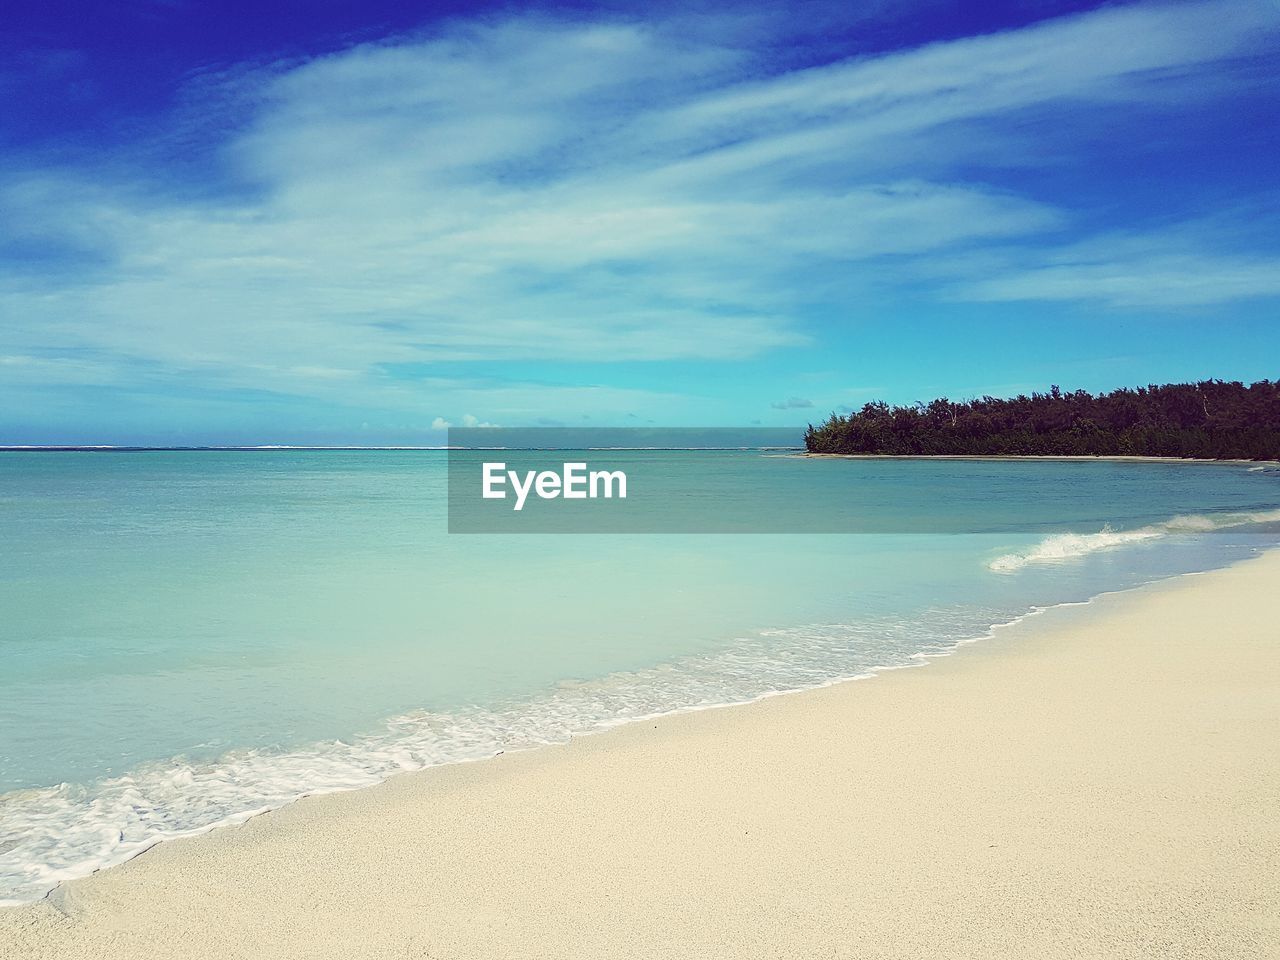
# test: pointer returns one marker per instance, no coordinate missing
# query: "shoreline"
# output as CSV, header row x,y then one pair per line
x,y
917,659
869,672
1064,458
140,895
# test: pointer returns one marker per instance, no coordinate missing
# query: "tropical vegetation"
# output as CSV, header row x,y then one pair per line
x,y
1212,419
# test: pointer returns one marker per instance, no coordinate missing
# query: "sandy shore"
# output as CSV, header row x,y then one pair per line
x,y
1100,781
1066,458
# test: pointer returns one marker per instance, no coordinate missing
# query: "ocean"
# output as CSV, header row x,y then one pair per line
x,y
191,637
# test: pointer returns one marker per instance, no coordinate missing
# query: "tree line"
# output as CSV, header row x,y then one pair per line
x,y
1212,419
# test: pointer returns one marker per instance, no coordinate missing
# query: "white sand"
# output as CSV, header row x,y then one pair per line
x,y
1098,782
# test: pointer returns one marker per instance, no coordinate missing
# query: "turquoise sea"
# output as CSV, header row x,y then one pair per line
x,y
190,637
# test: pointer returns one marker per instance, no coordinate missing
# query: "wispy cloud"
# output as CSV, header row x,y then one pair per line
x,y
544,189
1187,264
1173,280
792,403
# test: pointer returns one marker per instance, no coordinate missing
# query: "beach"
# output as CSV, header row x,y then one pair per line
x,y
1100,780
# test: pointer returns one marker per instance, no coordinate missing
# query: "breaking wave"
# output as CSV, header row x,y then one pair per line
x,y
1063,547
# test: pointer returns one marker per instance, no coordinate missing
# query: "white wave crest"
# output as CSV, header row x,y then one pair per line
x,y
1063,547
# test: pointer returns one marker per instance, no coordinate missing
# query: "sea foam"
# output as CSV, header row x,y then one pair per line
x,y
58,833
1063,547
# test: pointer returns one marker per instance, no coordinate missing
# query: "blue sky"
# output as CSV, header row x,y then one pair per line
x,y
355,223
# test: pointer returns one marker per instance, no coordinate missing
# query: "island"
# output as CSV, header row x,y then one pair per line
x,y
1210,419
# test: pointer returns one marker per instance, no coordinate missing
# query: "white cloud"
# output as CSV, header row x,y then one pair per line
x,y
1191,263
1173,280
26,369
544,190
